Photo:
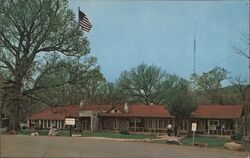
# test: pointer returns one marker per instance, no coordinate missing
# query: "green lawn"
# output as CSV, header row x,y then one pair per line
x,y
115,135
28,132
212,141
90,134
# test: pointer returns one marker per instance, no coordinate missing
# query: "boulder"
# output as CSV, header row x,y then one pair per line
x,y
53,132
247,138
76,135
234,146
173,141
34,134
13,132
201,144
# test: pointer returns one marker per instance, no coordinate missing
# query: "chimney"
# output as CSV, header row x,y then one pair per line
x,y
126,107
81,104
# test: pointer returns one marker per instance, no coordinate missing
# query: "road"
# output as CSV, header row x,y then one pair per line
x,y
45,146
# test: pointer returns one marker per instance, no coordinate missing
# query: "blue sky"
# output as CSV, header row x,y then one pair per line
x,y
128,33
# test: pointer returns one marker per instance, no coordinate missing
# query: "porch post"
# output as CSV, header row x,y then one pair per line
x,y
154,124
39,123
208,129
135,124
91,126
236,125
116,126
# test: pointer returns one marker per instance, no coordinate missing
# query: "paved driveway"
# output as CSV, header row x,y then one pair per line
x,y
44,146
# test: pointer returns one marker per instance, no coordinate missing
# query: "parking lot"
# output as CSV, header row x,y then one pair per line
x,y
45,146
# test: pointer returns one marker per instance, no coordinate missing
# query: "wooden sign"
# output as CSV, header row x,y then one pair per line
x,y
70,121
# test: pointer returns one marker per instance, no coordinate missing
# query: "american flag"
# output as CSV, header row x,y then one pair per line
x,y
84,22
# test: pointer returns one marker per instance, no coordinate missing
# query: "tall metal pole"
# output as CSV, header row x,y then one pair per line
x,y
194,53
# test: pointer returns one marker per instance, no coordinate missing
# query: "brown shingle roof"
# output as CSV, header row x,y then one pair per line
x,y
137,110
142,111
218,111
56,113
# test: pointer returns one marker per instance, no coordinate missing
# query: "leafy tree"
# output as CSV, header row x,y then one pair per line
x,y
28,30
112,94
210,83
178,98
140,83
61,82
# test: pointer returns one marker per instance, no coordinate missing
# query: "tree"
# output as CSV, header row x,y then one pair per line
x,y
177,98
210,83
241,85
244,51
62,81
28,30
140,83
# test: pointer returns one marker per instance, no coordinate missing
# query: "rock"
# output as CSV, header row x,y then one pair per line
x,y
234,146
34,134
76,135
13,132
247,138
173,141
53,132
200,145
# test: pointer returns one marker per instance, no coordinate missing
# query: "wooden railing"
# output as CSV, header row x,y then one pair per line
x,y
164,130
147,130
215,132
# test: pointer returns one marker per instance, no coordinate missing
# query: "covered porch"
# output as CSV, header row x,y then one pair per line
x,y
216,126
135,124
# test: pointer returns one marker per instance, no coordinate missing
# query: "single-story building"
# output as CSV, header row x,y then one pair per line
x,y
210,119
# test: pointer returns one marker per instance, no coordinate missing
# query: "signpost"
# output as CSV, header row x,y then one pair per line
x,y
71,122
194,125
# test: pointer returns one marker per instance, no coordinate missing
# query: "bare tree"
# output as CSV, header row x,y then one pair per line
x,y
241,85
244,51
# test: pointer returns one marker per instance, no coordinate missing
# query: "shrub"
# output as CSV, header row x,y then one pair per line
x,y
36,128
24,127
124,131
237,136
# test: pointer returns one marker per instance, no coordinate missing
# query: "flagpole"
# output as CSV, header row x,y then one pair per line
x,y
78,12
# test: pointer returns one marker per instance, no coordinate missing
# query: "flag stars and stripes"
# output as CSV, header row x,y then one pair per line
x,y
84,22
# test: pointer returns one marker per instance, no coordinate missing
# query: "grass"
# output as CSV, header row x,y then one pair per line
x,y
89,134
216,142
28,132
212,141
115,135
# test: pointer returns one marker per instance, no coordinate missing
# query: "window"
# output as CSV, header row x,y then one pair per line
x,y
150,123
34,121
160,123
214,122
45,123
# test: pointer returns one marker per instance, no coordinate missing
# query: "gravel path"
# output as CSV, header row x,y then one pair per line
x,y
44,146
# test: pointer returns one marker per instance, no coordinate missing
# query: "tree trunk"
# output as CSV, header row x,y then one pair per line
x,y
14,117
15,106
